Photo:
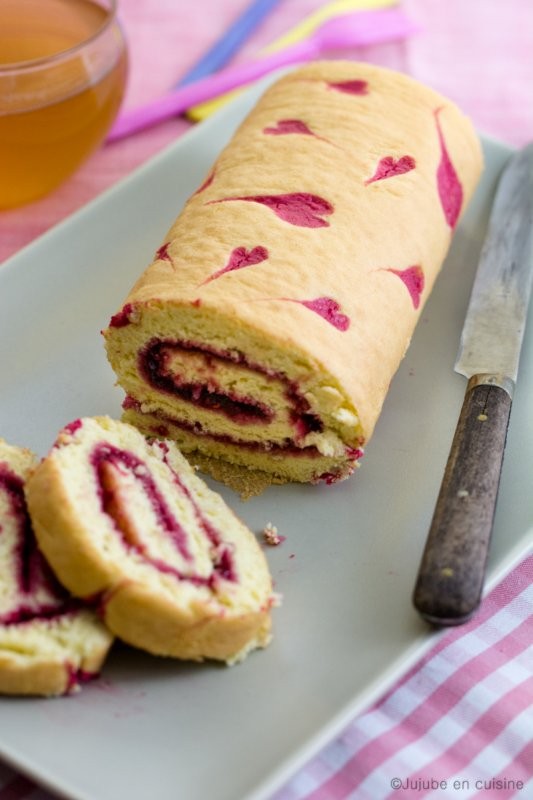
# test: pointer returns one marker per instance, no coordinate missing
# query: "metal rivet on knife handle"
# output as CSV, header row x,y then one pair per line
x,y
450,579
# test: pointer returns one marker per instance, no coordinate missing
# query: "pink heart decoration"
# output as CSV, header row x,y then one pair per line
x,y
328,309
413,278
163,254
448,183
299,208
239,258
388,167
289,126
357,87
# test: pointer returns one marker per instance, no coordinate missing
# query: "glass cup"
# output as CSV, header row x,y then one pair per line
x,y
63,67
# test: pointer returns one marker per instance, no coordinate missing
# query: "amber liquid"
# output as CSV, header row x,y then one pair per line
x,y
52,117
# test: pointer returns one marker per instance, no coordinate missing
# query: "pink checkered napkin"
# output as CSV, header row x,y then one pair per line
x,y
459,725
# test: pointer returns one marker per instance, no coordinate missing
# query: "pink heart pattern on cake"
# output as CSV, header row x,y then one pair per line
x,y
356,87
448,183
163,254
298,208
285,126
240,257
389,167
327,308
307,210
413,278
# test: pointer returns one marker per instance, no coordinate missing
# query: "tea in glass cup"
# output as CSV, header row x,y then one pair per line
x,y
63,67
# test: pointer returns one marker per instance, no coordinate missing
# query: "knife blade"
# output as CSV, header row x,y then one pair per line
x,y
450,579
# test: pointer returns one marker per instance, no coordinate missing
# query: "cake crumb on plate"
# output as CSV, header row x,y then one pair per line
x,y
271,535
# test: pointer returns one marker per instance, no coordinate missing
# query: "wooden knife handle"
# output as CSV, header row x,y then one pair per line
x,y
450,579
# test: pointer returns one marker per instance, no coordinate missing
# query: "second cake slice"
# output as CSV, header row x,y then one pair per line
x,y
129,525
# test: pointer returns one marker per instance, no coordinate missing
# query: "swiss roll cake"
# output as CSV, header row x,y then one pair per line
x,y
127,524
275,313
49,642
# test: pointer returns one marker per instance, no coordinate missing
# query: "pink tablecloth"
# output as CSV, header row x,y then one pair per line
x,y
460,724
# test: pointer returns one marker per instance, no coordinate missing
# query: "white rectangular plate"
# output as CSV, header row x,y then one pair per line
x,y
159,729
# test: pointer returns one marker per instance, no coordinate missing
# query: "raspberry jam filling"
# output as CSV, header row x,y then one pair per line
x,y
154,366
162,426
155,369
122,317
110,463
287,447
38,593
76,676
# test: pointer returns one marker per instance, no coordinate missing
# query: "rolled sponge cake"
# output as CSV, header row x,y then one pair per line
x,y
49,643
268,327
128,524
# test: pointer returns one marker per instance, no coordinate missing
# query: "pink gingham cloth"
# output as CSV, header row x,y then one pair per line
x,y
460,724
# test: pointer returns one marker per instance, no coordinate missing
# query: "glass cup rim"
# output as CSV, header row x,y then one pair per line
x,y
46,61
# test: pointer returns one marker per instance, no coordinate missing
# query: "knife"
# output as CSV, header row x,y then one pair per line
x,y
451,574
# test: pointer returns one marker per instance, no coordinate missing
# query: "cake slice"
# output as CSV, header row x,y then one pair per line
x,y
129,522
49,643
274,315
